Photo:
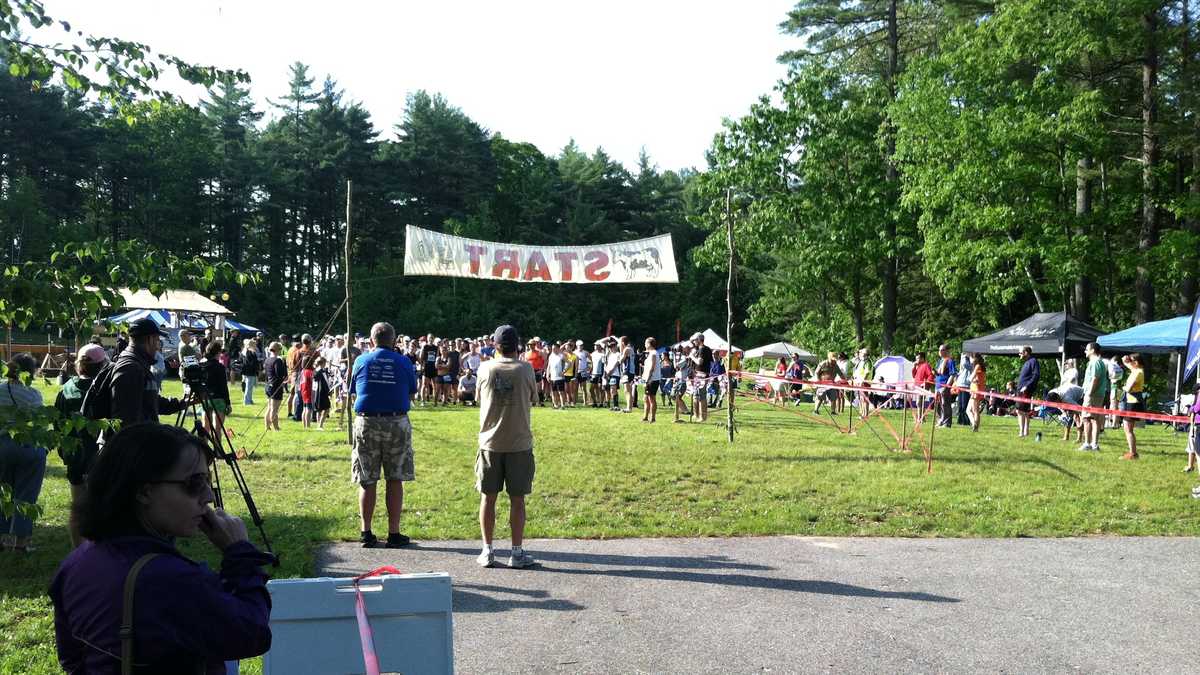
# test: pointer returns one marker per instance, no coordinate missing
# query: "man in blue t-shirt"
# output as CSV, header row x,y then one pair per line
x,y
943,377
383,383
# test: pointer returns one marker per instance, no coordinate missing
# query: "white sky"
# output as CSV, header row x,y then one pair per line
x,y
621,75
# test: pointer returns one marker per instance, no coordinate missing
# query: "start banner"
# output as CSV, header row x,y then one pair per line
x,y
642,261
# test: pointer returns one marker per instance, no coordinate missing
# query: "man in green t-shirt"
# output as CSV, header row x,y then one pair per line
x,y
1095,393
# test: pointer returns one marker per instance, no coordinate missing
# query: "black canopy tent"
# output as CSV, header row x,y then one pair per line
x,y
1049,334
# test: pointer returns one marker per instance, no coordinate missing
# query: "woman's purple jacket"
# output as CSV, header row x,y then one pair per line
x,y
184,614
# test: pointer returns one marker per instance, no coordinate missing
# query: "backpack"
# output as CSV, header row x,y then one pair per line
x,y
97,402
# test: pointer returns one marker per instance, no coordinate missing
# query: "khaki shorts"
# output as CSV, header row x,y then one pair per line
x,y
496,470
381,443
1089,403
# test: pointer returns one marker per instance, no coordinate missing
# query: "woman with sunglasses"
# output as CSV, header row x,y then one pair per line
x,y
148,487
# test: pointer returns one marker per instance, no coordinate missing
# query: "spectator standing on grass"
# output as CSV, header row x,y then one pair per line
x,y
537,361
322,391
1095,395
307,375
597,384
250,366
507,391
275,375
1132,400
1115,397
133,390
554,371
88,363
702,358
944,375
683,379
147,489
652,376
1027,384
429,356
922,373
383,384
583,373
217,377
827,371
187,352
966,368
628,372
978,390
22,465
612,373
666,369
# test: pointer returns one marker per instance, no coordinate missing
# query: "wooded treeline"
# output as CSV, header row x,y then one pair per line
x,y
218,181
933,169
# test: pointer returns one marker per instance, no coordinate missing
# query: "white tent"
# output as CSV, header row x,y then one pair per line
x,y
894,370
777,350
712,341
176,301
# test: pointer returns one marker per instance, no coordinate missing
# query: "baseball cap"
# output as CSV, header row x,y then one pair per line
x,y
144,327
579,343
696,336
93,354
506,336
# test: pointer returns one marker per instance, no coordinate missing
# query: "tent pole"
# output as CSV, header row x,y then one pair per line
x,y
1179,357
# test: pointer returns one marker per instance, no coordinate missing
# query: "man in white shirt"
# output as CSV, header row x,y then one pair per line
x,y
583,370
554,369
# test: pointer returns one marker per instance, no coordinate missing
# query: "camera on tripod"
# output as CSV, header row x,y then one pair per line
x,y
193,376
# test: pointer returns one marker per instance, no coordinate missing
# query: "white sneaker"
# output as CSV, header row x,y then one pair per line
x,y
486,559
520,560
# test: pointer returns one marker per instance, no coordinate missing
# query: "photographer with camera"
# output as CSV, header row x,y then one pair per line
x,y
127,595
132,389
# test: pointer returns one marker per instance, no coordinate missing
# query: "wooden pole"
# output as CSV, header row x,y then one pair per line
x,y
729,317
349,331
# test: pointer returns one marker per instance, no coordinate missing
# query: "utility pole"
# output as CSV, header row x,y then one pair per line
x,y
729,317
349,333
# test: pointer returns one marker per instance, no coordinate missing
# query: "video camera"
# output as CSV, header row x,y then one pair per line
x,y
193,376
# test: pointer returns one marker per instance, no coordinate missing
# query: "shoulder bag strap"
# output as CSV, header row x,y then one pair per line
x,y
127,613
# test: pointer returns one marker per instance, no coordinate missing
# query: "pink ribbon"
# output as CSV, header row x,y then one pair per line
x,y
365,635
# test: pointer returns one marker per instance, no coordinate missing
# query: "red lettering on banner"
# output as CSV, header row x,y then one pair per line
x,y
596,261
566,264
537,267
506,259
475,251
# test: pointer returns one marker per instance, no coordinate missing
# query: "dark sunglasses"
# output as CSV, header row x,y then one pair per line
x,y
194,485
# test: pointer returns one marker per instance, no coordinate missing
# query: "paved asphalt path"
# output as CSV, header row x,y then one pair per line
x,y
829,605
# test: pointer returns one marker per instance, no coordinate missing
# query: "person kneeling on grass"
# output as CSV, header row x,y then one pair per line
x,y
507,392
149,486
466,388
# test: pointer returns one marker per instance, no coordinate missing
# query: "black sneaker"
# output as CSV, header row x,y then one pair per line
x,y
368,540
397,540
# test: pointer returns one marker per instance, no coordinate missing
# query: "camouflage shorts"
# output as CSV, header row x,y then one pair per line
x,y
381,443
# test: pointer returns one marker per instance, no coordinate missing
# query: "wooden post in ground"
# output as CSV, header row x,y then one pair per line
x,y
729,317
346,412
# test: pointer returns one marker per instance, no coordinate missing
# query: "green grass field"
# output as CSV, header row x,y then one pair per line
x,y
603,474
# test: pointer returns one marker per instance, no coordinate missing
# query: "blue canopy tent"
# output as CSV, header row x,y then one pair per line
x,y
1155,337
238,325
1169,336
